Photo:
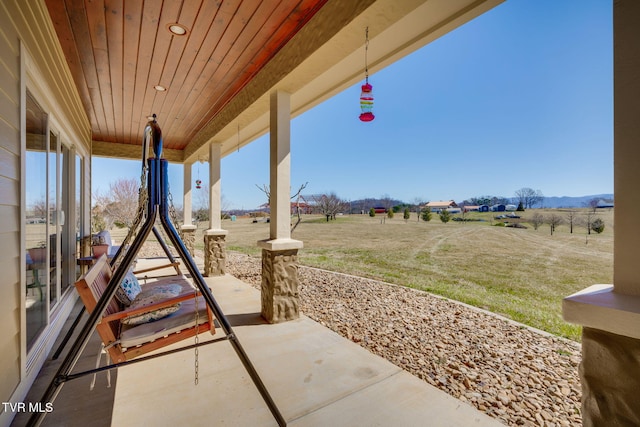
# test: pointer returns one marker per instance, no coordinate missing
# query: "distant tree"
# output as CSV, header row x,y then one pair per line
x,y
499,200
390,213
417,202
520,207
329,205
571,217
597,225
39,209
536,220
120,204
372,212
97,220
593,204
445,216
529,197
267,191
386,201
480,200
588,219
406,214
425,213
553,220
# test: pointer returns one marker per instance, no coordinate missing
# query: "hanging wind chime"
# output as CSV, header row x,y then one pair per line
x,y
366,96
198,181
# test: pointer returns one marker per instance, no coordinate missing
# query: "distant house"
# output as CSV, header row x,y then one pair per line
x,y
483,208
604,203
510,207
380,210
498,208
471,208
439,206
302,207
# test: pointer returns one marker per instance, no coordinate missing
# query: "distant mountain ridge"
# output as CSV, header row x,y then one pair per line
x,y
573,202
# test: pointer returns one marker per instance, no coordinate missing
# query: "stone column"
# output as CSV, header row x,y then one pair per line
x,y
280,252
189,237
610,314
215,256
279,287
214,237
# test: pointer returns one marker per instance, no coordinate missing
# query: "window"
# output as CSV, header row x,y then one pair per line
x,y
52,220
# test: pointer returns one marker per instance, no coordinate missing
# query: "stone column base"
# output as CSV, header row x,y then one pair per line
x,y
215,256
280,285
189,237
610,375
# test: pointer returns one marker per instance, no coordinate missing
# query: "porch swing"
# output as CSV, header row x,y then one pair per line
x,y
194,307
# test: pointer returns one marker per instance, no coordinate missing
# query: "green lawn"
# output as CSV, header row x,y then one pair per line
x,y
520,273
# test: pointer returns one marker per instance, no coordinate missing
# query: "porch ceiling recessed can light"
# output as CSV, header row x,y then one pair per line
x,y
160,88
177,29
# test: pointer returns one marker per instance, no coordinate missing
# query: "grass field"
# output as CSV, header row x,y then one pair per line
x,y
520,273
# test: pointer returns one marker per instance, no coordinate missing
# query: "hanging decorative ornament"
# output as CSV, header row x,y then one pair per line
x,y
198,181
366,96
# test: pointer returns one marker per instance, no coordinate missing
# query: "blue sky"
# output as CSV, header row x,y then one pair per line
x,y
522,96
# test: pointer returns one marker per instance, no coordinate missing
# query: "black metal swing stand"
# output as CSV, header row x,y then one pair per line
x,y
158,204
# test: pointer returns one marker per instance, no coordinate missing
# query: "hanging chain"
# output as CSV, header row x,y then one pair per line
x,y
143,198
366,49
173,215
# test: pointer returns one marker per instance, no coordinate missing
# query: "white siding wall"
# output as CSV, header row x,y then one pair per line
x,y
10,295
25,25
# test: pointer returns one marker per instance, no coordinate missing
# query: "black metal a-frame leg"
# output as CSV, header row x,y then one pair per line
x,y
158,190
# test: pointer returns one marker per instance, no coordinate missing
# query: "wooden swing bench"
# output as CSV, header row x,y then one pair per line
x,y
124,342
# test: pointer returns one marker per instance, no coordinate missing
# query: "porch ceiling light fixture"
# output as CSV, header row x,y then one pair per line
x,y
177,29
366,96
160,88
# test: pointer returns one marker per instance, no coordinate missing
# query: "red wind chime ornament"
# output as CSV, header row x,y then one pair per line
x,y
366,95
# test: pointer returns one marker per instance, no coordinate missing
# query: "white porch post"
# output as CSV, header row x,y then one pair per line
x,y
610,314
214,237
280,252
188,229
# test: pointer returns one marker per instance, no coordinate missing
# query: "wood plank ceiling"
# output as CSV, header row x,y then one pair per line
x,y
120,50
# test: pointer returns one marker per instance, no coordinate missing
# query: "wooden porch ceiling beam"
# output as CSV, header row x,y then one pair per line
x,y
130,151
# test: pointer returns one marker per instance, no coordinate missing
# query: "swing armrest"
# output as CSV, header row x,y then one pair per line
x,y
148,308
175,265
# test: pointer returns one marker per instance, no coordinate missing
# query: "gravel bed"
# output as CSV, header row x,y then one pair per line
x,y
521,376
518,375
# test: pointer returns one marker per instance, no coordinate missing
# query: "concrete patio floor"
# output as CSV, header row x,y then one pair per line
x,y
315,377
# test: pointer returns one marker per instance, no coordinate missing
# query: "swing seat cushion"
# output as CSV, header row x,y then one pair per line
x,y
183,318
152,295
128,289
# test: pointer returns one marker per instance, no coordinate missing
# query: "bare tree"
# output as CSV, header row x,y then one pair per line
x,y
593,204
588,218
571,217
267,191
298,196
553,220
329,205
536,220
418,202
40,209
120,204
529,197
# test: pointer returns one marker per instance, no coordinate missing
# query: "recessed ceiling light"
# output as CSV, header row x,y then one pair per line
x,y
177,29
160,88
